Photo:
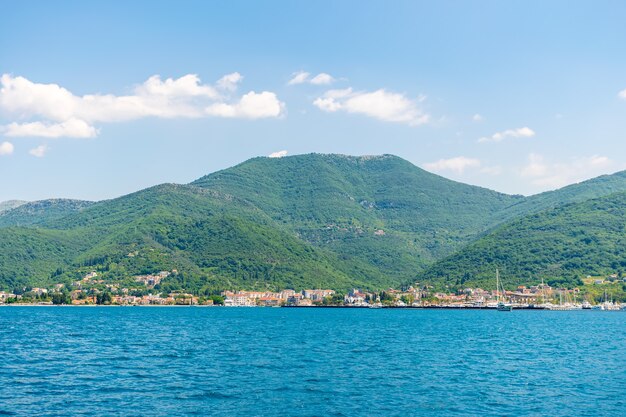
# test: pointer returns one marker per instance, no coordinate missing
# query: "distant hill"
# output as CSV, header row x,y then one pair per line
x,y
11,204
303,221
215,240
558,245
41,212
310,220
596,187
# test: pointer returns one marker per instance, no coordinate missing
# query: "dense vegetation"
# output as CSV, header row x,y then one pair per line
x,y
304,221
214,240
30,256
559,245
342,202
41,212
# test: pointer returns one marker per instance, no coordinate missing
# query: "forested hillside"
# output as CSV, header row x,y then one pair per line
x,y
212,239
559,245
315,221
593,188
380,209
41,212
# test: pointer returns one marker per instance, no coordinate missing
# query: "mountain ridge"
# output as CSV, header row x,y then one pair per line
x,y
10,204
559,245
315,219
41,211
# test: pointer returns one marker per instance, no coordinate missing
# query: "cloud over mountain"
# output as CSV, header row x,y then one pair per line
x,y
457,164
278,154
380,104
554,174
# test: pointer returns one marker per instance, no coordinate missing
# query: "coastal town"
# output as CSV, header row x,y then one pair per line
x,y
92,290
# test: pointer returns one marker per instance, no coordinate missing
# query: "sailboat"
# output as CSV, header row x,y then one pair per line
x,y
609,305
564,306
502,306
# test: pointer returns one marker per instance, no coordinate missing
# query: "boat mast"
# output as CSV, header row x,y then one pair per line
x,y
498,285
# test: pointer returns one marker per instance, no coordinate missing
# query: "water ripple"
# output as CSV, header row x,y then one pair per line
x,y
310,362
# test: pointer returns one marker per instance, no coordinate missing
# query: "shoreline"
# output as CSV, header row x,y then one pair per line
x,y
532,308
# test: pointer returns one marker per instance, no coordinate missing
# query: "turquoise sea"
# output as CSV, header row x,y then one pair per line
x,y
138,361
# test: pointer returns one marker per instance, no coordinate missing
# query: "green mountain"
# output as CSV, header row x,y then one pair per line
x,y
41,212
213,239
593,188
559,245
9,205
30,257
303,221
310,220
379,209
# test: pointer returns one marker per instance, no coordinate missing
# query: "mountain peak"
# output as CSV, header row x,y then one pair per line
x,y
326,157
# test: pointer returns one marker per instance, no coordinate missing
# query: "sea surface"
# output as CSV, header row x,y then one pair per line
x,y
142,361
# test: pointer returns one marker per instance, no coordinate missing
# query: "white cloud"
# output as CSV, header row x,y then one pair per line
x,y
622,94
229,82
599,161
6,148
550,175
522,132
39,151
303,77
536,166
278,154
322,79
380,104
62,113
186,86
299,78
458,164
72,128
477,118
251,106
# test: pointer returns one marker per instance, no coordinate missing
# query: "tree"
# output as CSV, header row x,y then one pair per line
x,y
337,299
217,299
407,299
104,298
59,298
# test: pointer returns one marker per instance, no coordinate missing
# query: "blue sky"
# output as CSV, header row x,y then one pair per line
x,y
102,99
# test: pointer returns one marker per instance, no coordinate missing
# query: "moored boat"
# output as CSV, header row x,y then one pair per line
x,y
502,305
